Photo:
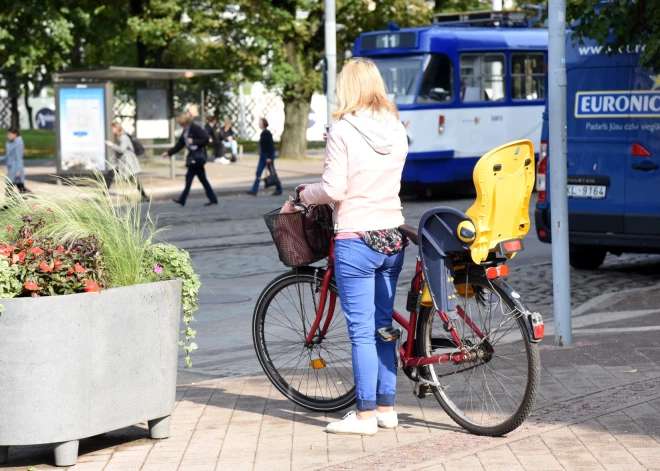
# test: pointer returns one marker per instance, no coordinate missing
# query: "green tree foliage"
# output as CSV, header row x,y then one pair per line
x,y
35,40
620,24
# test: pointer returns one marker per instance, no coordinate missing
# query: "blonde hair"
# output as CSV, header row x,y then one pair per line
x,y
361,87
184,119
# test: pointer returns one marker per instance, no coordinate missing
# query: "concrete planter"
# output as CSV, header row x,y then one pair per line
x,y
77,366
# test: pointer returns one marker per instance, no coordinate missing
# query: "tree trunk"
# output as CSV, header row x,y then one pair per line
x,y
14,91
294,137
28,108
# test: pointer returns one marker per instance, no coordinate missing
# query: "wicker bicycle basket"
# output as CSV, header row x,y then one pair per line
x,y
301,237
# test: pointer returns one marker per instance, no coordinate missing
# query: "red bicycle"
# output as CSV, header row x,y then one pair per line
x,y
480,360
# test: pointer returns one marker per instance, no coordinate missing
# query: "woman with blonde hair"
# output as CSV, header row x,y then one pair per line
x,y
364,158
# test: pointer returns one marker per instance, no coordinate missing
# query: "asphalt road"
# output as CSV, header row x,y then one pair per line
x,y
235,257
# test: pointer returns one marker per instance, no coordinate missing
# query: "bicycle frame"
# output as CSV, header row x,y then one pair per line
x,y
463,355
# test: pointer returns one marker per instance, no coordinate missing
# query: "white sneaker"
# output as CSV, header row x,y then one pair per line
x,y
387,419
351,425
221,160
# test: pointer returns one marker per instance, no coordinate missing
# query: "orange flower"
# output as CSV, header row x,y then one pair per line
x,y
69,271
60,249
31,286
10,228
45,267
36,251
5,252
57,264
29,241
15,259
21,256
91,287
79,268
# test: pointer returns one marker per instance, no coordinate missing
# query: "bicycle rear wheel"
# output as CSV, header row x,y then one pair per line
x,y
318,377
493,394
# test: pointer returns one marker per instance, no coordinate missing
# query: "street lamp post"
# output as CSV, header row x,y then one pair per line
x,y
330,54
558,164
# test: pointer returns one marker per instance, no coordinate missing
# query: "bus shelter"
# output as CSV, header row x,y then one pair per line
x,y
84,102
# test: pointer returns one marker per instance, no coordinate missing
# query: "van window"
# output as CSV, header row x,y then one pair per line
x,y
482,77
527,76
437,80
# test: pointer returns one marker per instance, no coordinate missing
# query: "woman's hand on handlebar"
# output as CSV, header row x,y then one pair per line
x,y
164,154
299,189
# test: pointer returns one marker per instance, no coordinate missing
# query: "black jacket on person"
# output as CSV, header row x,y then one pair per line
x,y
211,132
224,134
199,136
266,143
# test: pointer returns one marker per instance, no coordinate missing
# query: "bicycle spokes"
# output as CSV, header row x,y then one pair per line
x,y
488,383
320,369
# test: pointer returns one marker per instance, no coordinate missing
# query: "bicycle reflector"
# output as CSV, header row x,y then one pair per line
x,y
538,327
496,272
511,246
317,364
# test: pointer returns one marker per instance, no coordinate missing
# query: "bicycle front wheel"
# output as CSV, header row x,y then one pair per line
x,y
317,376
493,394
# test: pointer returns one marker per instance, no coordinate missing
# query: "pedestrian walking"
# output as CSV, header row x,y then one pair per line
x,y
15,149
266,158
365,153
126,163
195,140
214,142
228,141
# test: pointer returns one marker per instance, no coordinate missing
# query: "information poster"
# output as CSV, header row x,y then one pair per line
x,y
82,126
152,120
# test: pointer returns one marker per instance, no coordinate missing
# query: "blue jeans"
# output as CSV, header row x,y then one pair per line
x,y
366,280
233,144
261,166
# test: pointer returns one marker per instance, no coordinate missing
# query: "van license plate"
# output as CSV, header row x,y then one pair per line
x,y
587,191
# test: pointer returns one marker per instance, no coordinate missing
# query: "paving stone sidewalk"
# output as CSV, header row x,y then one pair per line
x,y
598,408
225,179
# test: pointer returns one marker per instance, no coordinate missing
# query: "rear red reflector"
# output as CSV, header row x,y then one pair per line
x,y
543,233
512,246
496,272
538,327
639,150
539,331
542,196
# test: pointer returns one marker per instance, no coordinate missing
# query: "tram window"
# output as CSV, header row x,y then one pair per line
x,y
437,80
400,74
527,76
482,77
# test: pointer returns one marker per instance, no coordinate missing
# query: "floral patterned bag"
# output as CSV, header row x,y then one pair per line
x,y
385,241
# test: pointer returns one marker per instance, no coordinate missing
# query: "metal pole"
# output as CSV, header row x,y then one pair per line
x,y
330,53
558,149
241,109
202,109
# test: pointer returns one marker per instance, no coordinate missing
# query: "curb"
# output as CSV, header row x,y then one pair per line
x,y
288,185
600,299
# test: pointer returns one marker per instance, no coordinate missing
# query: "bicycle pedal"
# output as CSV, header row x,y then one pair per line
x,y
422,390
387,334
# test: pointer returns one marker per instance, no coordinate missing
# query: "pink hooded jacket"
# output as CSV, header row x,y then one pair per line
x,y
364,158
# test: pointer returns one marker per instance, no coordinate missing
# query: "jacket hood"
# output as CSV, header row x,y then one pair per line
x,y
376,128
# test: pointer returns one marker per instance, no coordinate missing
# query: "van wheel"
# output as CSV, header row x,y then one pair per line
x,y
586,258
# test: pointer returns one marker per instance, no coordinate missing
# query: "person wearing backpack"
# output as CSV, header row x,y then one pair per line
x,y
125,162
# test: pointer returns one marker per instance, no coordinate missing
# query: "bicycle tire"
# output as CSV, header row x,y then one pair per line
x,y
425,346
285,383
